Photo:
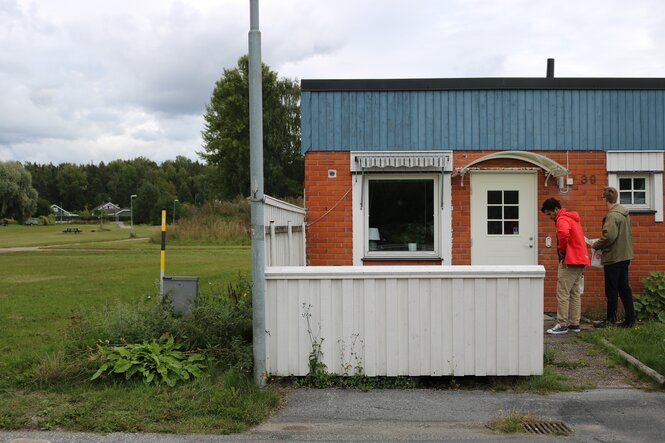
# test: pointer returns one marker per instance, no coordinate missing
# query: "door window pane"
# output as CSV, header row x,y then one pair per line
x,y
503,213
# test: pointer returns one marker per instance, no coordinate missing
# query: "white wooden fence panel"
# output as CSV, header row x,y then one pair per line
x,y
399,320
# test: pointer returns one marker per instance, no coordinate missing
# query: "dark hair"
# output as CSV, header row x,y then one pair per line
x,y
610,194
550,205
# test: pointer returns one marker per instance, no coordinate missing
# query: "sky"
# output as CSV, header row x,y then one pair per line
x,y
85,81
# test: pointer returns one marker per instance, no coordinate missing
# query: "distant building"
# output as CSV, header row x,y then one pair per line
x,y
62,215
112,210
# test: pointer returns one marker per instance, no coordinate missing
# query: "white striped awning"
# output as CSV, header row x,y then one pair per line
x,y
402,160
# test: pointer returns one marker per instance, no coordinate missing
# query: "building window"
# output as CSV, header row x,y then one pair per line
x,y
638,176
503,212
633,191
402,215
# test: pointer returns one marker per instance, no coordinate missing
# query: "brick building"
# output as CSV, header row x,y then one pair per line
x,y
453,171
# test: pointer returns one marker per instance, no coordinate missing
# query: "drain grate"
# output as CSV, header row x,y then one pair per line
x,y
547,427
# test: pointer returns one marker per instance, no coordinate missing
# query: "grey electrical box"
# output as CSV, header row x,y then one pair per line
x,y
181,292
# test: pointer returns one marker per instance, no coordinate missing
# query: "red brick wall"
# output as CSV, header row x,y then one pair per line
x,y
588,171
330,236
329,210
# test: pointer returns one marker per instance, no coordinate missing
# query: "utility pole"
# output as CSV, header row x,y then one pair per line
x,y
256,195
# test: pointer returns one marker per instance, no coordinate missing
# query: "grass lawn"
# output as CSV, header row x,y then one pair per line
x,y
645,342
19,235
40,292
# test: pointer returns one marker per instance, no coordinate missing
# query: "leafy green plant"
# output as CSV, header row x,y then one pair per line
x,y
651,304
153,362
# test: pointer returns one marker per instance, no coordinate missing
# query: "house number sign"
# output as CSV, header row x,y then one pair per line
x,y
588,179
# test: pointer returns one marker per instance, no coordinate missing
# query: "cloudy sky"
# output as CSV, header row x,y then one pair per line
x,y
89,80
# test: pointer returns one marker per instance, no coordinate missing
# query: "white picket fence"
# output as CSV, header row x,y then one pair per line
x,y
406,320
285,233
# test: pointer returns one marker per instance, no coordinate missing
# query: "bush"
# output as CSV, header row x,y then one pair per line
x,y
651,304
152,362
219,326
47,220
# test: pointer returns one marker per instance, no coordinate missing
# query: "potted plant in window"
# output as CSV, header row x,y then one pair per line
x,y
413,235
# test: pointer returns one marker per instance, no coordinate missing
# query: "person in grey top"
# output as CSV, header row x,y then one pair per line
x,y
617,246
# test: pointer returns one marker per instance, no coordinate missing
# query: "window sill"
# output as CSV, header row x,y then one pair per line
x,y
402,259
641,211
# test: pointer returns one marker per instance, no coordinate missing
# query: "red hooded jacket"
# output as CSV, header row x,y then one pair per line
x,y
570,238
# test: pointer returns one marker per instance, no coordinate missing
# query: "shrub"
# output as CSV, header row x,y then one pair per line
x,y
219,326
47,220
651,304
153,362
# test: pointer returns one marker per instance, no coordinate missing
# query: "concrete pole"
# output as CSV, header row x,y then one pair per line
x,y
256,195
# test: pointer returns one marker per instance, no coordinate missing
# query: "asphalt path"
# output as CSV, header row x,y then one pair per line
x,y
601,415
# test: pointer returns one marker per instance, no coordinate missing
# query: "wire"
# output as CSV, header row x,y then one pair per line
x,y
329,210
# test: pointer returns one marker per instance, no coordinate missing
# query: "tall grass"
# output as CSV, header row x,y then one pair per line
x,y
225,222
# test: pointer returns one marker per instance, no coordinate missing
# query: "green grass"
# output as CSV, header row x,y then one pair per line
x,y
19,235
216,404
645,342
43,292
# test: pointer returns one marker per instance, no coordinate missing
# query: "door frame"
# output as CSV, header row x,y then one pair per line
x,y
533,175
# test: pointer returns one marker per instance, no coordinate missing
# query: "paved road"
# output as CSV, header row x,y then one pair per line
x,y
605,415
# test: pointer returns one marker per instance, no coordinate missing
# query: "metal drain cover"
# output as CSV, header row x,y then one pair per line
x,y
547,427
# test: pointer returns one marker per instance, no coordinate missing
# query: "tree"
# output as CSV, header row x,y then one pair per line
x,y
72,182
226,133
18,199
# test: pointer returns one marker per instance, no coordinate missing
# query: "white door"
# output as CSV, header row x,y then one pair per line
x,y
503,218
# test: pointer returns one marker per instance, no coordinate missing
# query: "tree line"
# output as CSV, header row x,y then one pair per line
x,y
223,175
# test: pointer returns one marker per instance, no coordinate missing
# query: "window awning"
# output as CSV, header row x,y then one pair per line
x,y
551,168
438,160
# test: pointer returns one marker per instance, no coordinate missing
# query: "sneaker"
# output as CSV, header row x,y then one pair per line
x,y
574,328
558,329
601,324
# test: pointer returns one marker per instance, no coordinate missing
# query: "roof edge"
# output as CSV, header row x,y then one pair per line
x,y
434,84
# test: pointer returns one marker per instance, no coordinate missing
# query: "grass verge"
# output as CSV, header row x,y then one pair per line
x,y
645,342
56,304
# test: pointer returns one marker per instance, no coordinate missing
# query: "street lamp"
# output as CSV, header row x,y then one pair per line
x,y
131,210
174,202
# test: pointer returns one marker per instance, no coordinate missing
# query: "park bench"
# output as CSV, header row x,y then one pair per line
x,y
69,230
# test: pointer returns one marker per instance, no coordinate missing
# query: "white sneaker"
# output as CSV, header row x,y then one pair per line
x,y
558,329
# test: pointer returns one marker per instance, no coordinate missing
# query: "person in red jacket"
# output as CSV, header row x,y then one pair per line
x,y
573,258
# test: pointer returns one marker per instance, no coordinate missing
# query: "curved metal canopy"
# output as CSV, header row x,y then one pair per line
x,y
551,168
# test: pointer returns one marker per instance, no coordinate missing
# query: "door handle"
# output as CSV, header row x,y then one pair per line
x,y
531,242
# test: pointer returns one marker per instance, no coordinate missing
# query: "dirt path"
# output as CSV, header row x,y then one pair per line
x,y
584,364
65,246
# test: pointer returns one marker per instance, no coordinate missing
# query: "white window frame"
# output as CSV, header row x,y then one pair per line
x,y
639,164
648,190
436,253
439,163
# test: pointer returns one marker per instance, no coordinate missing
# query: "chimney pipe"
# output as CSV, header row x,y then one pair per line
x,y
550,68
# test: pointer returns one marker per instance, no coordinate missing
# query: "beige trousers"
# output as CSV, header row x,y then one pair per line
x,y
569,303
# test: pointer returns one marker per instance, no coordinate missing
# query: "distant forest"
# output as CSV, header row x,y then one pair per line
x,y
81,188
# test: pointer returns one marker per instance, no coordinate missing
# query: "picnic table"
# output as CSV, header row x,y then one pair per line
x,y
69,230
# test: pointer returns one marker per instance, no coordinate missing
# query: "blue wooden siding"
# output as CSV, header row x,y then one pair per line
x,y
483,120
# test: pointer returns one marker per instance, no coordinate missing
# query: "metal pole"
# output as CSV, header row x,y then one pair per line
x,y
256,195
174,202
162,255
131,211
